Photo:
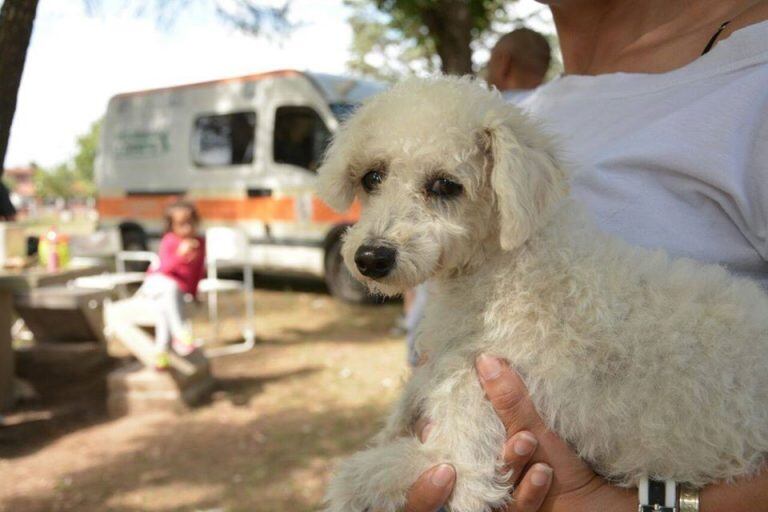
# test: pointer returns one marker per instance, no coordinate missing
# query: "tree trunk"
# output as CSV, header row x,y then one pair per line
x,y
450,24
16,20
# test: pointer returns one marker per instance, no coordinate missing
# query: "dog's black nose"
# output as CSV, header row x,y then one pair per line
x,y
375,262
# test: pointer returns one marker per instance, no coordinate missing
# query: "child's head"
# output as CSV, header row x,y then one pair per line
x,y
181,218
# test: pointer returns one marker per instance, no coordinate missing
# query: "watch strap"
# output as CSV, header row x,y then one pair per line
x,y
657,495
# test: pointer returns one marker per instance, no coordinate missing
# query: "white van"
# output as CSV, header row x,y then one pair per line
x,y
245,151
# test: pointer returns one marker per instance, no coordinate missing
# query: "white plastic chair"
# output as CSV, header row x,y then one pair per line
x,y
96,248
101,248
228,248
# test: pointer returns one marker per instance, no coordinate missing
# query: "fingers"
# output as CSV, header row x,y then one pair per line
x,y
509,397
431,490
532,489
517,453
508,394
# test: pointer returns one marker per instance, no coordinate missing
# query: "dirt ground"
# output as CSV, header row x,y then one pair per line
x,y
315,388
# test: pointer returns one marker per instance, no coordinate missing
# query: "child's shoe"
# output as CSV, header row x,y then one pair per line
x,y
162,361
184,345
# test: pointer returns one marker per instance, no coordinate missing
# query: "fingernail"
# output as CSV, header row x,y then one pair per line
x,y
524,443
541,474
442,476
488,367
425,432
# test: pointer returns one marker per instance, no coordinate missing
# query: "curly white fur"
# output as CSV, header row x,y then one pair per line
x,y
644,363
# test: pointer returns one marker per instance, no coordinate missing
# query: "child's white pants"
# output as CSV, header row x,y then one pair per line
x,y
166,294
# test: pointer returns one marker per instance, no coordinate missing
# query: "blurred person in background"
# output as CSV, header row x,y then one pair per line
x,y
518,64
663,112
7,209
180,268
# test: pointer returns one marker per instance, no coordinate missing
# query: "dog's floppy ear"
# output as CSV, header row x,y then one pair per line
x,y
334,184
526,179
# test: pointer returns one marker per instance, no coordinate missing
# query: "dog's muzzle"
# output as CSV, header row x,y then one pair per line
x,y
375,262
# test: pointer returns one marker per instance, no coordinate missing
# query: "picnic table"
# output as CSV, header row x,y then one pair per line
x,y
11,283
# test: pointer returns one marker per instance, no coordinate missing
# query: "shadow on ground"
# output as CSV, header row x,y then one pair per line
x,y
240,390
202,460
290,283
64,404
360,329
264,443
293,283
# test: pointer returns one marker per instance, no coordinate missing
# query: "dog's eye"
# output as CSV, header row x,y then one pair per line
x,y
372,180
443,187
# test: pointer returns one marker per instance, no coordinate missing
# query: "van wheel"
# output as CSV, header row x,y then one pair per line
x,y
339,280
133,236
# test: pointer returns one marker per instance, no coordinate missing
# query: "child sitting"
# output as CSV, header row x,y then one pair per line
x,y
181,267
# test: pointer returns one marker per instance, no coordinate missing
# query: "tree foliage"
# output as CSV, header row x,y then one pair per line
x,y
396,36
255,17
391,37
73,179
87,147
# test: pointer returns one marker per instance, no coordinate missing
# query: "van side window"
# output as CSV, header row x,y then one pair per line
x,y
300,137
224,139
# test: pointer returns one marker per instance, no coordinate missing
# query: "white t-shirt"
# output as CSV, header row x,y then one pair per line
x,y
676,160
516,95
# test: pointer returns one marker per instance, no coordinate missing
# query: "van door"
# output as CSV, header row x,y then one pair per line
x,y
300,136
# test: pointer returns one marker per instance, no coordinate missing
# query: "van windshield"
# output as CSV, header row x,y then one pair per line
x,y
343,110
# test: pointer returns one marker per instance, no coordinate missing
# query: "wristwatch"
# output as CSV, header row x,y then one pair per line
x,y
657,495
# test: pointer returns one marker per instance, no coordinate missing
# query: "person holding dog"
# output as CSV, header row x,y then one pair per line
x,y
666,109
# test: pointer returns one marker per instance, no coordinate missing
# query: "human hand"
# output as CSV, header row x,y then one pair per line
x,y
433,488
571,486
188,247
575,486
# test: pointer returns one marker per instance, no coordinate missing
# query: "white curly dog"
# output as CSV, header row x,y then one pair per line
x,y
645,364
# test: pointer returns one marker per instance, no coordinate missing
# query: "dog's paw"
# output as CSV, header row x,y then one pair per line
x,y
479,493
347,493
376,479
351,491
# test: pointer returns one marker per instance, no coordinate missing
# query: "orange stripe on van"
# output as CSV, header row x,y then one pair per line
x,y
266,209
134,207
258,208
323,213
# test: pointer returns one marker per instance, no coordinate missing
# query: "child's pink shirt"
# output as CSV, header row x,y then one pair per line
x,y
188,270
